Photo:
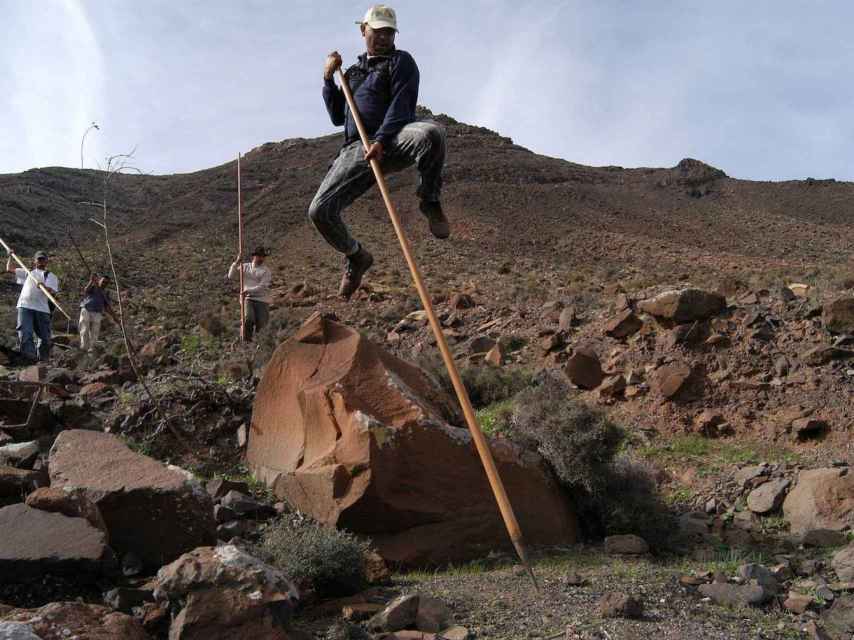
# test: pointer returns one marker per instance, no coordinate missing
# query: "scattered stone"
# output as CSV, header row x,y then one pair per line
x,y
124,599
761,575
671,378
495,356
628,544
799,289
151,510
235,529
341,462
360,611
797,602
71,620
567,320
839,619
94,389
433,615
461,301
838,316
822,499
398,614
574,579
552,342
691,581
735,595
684,305
710,424
613,386
34,373
242,436
35,543
693,525
823,538
825,354
619,605
72,503
843,563
243,505
815,632
224,514
804,429
218,487
584,369
746,475
624,325
226,593
768,497
481,344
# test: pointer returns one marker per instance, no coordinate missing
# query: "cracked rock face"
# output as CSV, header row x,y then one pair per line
x,y
358,439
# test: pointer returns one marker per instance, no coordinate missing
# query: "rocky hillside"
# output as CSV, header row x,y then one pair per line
x,y
703,321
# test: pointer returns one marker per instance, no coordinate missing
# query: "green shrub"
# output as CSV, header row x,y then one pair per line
x,y
613,494
486,384
331,561
577,441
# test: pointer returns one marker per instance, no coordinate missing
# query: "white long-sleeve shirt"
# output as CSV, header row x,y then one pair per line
x,y
256,281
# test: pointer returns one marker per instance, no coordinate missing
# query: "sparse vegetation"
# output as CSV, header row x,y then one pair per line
x,y
331,561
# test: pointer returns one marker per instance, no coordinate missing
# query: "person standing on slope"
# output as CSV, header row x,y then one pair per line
x,y
384,83
255,296
96,302
34,310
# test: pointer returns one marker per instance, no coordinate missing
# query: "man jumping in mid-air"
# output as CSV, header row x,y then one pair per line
x,y
384,83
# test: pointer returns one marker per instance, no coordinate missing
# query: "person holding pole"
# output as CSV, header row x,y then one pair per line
x,y
384,83
34,310
256,291
96,302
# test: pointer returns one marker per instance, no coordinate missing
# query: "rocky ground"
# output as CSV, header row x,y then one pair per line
x,y
710,318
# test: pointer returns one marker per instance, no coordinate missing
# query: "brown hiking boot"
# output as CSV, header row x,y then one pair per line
x,y
357,264
439,226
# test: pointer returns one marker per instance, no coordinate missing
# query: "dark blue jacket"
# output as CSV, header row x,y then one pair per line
x,y
385,89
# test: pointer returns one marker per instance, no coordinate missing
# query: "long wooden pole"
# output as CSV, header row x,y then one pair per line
x,y
41,287
240,253
480,441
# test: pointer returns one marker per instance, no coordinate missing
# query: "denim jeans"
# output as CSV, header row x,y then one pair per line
x,y
32,323
421,143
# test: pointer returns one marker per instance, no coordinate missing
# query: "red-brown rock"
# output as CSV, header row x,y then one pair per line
x,y
671,378
152,510
822,499
15,484
684,305
34,543
839,315
64,620
356,438
73,504
625,324
584,369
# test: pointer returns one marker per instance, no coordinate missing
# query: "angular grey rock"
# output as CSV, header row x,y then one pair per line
x,y
734,594
18,454
762,575
768,497
821,499
823,538
839,619
684,305
433,615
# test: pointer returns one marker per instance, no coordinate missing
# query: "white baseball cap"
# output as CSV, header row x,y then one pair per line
x,y
380,16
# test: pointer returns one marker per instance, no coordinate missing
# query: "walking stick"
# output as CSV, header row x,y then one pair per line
x,y
480,441
240,254
41,287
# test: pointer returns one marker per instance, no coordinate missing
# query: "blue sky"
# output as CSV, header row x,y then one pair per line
x,y
762,90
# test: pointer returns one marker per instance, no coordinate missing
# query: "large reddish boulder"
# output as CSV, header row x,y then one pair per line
x,y
151,510
356,438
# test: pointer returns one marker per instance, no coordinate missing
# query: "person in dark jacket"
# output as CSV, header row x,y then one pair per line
x,y
384,83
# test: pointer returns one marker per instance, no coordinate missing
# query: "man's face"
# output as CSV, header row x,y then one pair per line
x,y
103,282
41,263
257,260
379,42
